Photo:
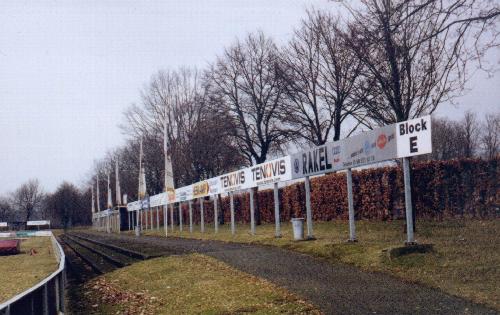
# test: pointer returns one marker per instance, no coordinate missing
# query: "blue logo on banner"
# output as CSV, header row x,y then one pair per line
x,y
368,147
296,165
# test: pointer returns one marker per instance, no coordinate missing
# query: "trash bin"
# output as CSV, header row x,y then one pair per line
x,y
137,230
298,228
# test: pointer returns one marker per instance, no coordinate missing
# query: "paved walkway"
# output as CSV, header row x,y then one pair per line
x,y
334,288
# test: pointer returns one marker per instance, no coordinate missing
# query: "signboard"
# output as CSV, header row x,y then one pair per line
x,y
315,161
158,200
408,138
3,224
200,189
403,139
134,206
214,186
414,137
369,147
278,170
184,193
35,223
238,180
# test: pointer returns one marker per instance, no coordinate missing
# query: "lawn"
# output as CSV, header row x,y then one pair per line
x,y
465,262
22,271
187,284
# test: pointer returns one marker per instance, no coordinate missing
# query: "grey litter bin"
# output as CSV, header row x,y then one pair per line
x,y
137,231
298,228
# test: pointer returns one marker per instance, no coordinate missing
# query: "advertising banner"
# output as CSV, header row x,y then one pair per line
x,y
3,224
318,160
408,138
214,186
200,189
158,200
35,223
184,193
278,170
369,147
234,181
134,206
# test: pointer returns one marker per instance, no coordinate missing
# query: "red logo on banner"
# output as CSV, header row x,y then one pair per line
x,y
381,141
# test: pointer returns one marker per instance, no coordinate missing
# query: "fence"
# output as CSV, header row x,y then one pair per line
x,y
47,297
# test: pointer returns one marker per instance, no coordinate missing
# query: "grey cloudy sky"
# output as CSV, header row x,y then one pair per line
x,y
68,69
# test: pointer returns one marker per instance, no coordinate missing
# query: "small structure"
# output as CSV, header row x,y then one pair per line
x,y
10,247
38,223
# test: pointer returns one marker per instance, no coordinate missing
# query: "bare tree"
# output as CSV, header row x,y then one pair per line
x,y
470,128
245,83
28,198
490,138
320,76
248,90
416,53
5,209
194,132
448,139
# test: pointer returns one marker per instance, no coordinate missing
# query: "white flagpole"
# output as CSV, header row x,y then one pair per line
x,y
118,190
97,194
110,200
93,205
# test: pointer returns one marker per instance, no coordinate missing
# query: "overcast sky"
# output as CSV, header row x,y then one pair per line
x,y
68,69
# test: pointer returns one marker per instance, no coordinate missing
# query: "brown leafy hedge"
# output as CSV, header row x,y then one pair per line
x,y
467,188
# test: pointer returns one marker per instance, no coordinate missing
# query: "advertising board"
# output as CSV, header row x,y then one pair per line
x,y
277,170
234,181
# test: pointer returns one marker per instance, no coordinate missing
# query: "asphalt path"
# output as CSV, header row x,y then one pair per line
x,y
333,287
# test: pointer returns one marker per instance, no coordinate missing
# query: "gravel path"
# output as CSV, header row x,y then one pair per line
x,y
334,288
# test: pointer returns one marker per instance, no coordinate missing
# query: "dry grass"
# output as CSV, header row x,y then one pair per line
x,y
188,284
466,261
22,271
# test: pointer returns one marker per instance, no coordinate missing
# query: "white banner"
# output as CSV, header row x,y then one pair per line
x,y
403,139
158,200
184,193
134,206
238,180
278,170
3,224
40,222
414,137
214,186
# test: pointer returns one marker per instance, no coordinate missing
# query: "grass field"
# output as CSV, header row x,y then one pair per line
x,y
466,261
188,284
22,271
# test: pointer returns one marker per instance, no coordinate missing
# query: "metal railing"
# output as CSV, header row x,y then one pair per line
x,y
47,297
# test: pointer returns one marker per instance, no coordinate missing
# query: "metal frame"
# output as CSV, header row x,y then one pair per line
x,y
46,297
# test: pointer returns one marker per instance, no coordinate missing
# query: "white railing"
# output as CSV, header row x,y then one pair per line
x,y
46,297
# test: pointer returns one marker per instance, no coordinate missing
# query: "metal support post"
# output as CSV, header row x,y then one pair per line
x,y
409,209
231,200
157,218
172,217
165,219
190,205
350,201
277,225
216,213
307,185
180,216
202,216
252,213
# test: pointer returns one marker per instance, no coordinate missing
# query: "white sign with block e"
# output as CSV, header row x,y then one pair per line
x,y
413,137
